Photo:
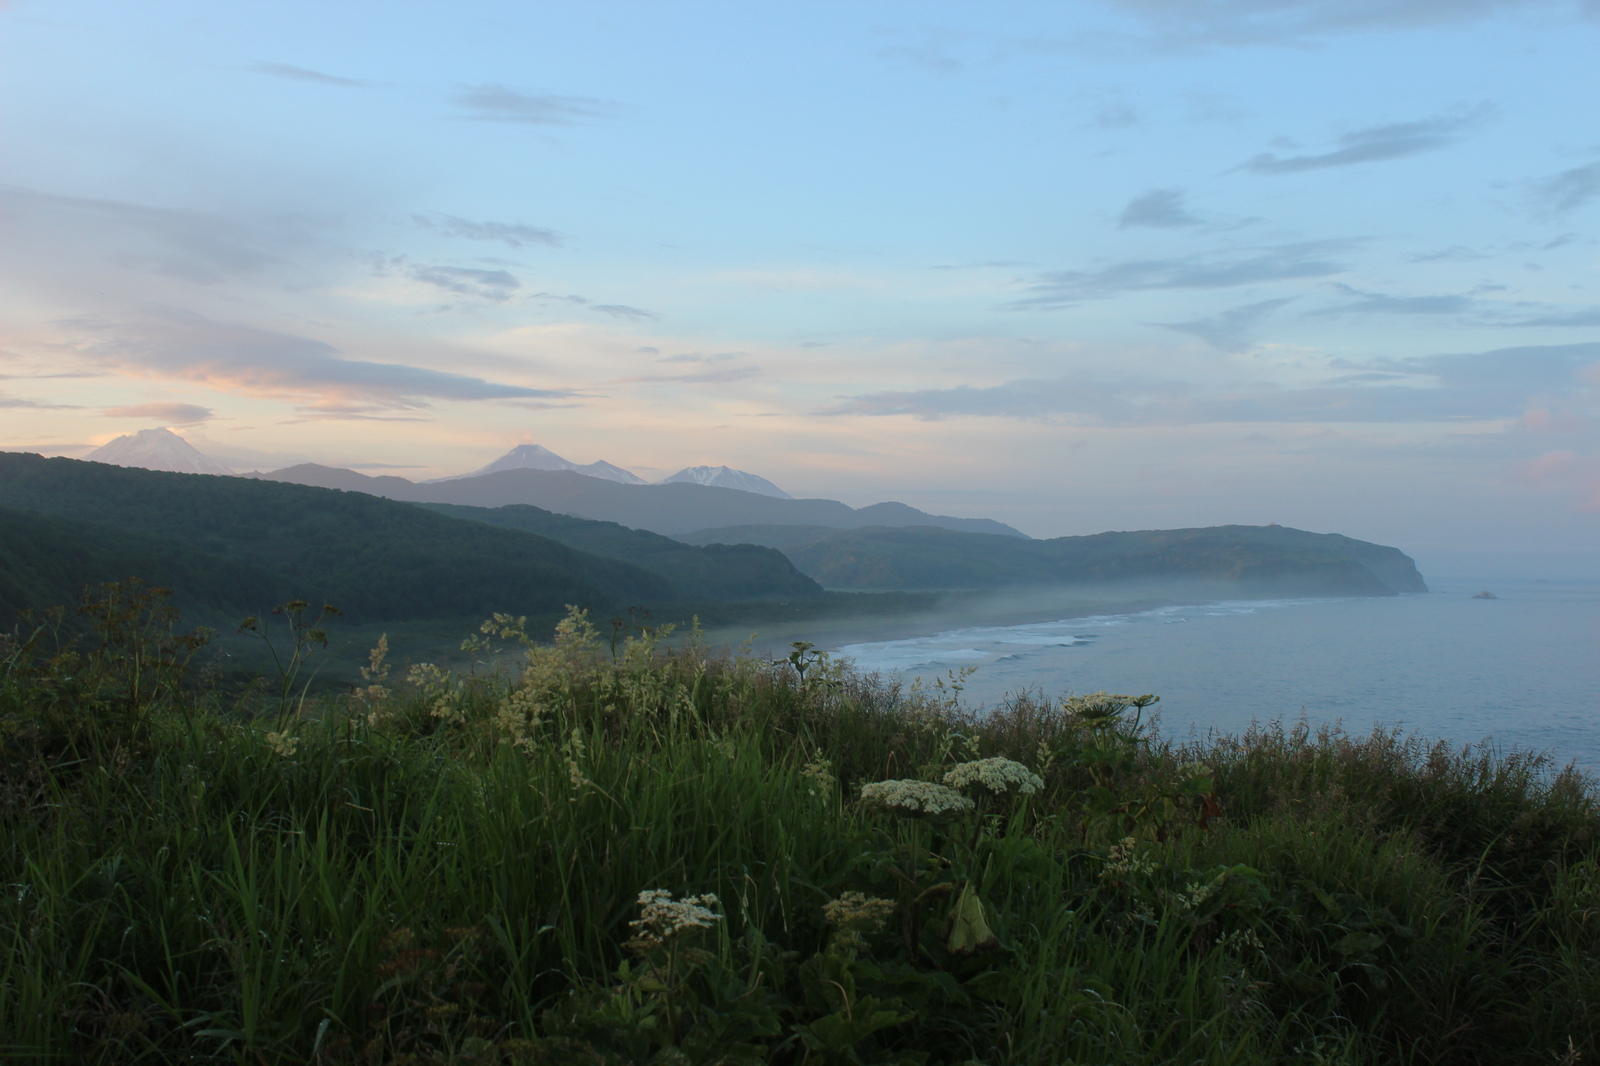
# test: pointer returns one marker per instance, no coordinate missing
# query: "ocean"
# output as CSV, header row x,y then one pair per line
x,y
1521,671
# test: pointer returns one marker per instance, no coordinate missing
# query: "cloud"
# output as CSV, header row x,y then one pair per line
x,y
493,285
1570,189
187,245
1479,386
623,311
1569,470
511,233
287,70
1376,303
1232,330
497,103
1569,319
1159,208
177,414
704,377
1206,270
17,402
243,359
1374,144
1243,22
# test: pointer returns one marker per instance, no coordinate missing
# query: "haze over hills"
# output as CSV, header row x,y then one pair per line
x,y
1254,560
679,507
377,559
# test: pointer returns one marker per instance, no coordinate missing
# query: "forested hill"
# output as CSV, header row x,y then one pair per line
x,y
713,572
376,559
1253,560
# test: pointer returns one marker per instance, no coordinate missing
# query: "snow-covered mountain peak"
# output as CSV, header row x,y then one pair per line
x,y
538,457
723,477
156,449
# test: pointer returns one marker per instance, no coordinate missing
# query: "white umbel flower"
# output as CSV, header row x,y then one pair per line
x,y
662,919
915,798
996,774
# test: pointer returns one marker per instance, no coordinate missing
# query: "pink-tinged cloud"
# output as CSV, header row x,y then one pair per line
x,y
177,414
245,360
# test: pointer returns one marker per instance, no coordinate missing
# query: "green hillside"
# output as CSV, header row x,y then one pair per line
x,y
48,561
1253,560
714,572
377,559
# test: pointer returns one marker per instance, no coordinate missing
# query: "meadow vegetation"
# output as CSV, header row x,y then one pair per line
x,y
606,850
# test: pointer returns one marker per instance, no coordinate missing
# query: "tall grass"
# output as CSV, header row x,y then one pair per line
x,y
448,869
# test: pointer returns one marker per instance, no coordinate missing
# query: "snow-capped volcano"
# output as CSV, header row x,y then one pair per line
x,y
537,457
723,477
157,449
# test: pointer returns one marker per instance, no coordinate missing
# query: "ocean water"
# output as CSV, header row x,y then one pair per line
x,y
1522,671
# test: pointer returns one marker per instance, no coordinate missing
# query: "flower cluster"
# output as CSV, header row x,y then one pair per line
x,y
440,687
819,776
1125,862
283,744
915,798
663,920
997,775
856,910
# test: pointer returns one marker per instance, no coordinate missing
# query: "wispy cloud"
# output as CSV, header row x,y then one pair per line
x,y
190,246
514,234
1158,208
1588,317
177,414
1441,388
294,73
1374,144
1246,22
623,311
1377,303
1205,270
1569,189
1231,331
236,358
498,103
17,402
497,286
715,376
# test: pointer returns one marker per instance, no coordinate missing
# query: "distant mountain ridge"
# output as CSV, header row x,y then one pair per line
x,y
677,508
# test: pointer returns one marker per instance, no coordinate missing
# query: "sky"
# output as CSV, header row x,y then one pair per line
x,y
1077,265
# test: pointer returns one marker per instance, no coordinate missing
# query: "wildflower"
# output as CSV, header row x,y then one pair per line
x,y
856,910
376,672
282,744
819,776
997,775
915,798
1124,861
575,752
663,920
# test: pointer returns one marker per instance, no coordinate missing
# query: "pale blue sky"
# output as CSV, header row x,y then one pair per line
x,y
1076,265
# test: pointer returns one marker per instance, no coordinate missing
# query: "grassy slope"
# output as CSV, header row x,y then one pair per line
x,y
376,559
716,572
1258,560
396,883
